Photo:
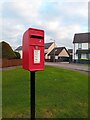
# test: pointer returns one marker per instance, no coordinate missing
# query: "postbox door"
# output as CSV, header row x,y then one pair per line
x,y
36,55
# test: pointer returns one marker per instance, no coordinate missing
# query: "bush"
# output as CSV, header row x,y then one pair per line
x,y
84,58
6,51
17,55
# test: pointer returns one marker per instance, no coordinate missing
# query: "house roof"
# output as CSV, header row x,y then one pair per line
x,y
83,51
81,38
19,48
47,45
57,51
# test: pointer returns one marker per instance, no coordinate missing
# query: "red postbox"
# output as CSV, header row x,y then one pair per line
x,y
33,50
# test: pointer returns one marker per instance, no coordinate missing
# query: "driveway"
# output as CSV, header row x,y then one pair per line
x,y
76,67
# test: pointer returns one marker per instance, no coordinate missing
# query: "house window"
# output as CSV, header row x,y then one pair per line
x,y
88,45
84,56
79,45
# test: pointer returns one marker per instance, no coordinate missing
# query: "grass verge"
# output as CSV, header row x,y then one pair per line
x,y
60,93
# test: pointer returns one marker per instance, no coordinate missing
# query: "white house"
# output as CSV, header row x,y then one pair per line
x,y
19,49
48,48
59,54
81,46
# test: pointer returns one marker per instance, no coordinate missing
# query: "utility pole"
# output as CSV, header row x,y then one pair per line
x,y
74,53
54,52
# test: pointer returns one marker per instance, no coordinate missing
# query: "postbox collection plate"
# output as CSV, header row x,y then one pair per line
x,y
36,56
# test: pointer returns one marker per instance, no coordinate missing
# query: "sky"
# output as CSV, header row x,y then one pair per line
x,y
60,19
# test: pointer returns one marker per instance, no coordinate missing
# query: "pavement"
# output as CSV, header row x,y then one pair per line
x,y
85,69
10,68
71,66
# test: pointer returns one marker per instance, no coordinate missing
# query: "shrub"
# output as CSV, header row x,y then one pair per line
x,y
84,58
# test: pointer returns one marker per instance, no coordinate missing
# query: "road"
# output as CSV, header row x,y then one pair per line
x,y
76,67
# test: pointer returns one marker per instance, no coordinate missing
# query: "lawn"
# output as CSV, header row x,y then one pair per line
x,y
60,93
0,95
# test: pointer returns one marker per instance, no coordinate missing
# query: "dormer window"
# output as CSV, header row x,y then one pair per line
x,y
79,45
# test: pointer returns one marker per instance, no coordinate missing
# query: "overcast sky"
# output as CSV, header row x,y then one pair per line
x,y
60,20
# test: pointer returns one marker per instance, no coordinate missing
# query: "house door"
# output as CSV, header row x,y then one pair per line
x,y
79,56
52,58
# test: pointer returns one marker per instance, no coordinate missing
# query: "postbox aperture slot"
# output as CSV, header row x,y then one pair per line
x,y
35,36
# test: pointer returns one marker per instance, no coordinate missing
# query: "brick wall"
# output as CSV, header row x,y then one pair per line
x,y
10,63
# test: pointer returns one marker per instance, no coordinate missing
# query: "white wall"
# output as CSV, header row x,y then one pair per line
x,y
76,47
56,57
63,53
20,51
45,50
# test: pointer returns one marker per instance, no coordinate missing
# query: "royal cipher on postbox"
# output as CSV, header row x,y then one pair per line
x,y
33,50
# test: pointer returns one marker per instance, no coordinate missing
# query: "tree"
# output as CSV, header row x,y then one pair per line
x,y
6,51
